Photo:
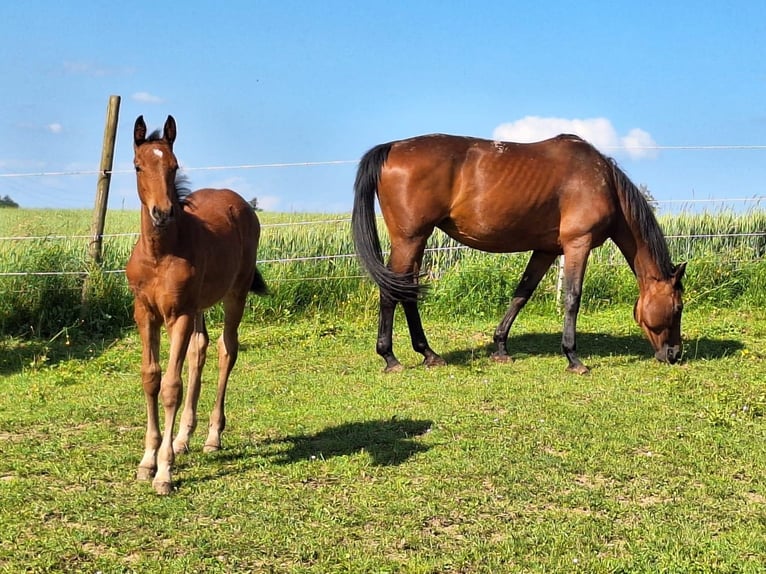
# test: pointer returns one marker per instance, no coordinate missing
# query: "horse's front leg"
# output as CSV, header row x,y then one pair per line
x,y
228,350
149,330
196,356
538,264
171,394
574,271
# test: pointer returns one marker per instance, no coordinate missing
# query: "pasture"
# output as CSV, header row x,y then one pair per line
x,y
329,465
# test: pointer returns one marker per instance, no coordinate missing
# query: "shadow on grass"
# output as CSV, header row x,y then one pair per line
x,y
595,345
388,442
17,354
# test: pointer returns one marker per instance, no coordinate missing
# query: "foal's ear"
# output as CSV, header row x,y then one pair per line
x,y
678,272
169,131
139,131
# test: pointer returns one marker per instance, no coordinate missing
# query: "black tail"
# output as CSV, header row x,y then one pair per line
x,y
259,285
396,286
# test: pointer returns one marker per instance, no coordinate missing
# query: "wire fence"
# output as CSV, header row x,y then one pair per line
x,y
756,238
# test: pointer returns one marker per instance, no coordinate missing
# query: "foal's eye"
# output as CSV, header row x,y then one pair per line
x,y
138,169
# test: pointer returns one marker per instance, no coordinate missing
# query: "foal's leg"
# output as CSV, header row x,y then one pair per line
x,y
575,260
538,264
228,349
196,355
171,393
149,329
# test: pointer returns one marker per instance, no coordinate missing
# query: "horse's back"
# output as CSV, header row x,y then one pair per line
x,y
497,195
225,230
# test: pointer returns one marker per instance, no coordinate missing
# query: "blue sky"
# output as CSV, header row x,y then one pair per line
x,y
290,82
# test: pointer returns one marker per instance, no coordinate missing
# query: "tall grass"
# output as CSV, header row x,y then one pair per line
x,y
307,260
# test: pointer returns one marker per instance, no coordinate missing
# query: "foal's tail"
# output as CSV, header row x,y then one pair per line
x,y
259,285
396,286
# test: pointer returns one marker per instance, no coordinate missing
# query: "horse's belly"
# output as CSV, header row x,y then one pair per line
x,y
506,240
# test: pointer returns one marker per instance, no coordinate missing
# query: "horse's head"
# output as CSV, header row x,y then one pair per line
x,y
658,312
156,168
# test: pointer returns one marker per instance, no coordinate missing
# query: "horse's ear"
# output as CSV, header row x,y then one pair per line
x,y
139,131
678,272
169,132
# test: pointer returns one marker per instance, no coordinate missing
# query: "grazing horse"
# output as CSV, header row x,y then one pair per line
x,y
194,250
554,197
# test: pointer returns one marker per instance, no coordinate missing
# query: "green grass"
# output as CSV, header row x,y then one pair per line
x,y
331,466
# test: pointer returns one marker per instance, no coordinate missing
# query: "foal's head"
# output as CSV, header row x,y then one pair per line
x,y
156,168
658,312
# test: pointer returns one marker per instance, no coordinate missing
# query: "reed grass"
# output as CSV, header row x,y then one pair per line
x,y
308,262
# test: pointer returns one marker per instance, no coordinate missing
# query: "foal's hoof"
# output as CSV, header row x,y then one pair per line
x,y
180,447
578,369
162,487
145,473
208,448
501,357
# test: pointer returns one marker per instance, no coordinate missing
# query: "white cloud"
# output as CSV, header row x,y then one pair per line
x,y
146,98
598,131
55,128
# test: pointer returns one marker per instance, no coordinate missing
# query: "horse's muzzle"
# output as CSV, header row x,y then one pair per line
x,y
161,217
669,354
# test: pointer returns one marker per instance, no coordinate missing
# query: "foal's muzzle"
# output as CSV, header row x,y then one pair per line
x,y
669,354
161,217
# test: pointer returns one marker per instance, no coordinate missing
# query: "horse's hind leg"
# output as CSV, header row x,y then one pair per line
x,y
538,264
384,345
418,336
228,349
406,258
195,356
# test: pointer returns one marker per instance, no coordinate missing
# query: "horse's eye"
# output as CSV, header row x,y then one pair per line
x,y
138,169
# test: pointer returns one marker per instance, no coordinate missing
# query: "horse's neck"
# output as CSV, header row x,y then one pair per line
x,y
157,242
638,255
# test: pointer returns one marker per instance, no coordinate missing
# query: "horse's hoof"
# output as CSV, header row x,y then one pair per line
x,y
145,473
180,447
162,487
578,369
501,357
208,448
395,368
434,361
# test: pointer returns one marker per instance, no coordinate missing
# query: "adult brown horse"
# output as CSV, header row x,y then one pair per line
x,y
194,250
559,196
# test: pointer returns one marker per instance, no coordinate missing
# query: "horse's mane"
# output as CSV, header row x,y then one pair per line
x,y
183,186
641,217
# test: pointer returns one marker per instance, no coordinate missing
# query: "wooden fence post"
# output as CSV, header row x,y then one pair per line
x,y
102,190
104,178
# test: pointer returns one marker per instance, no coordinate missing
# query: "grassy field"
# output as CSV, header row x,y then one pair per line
x,y
331,466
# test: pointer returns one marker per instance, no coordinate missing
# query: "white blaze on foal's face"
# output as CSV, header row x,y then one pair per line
x,y
157,152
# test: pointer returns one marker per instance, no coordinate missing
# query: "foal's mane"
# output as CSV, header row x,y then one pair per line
x,y
640,216
182,183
